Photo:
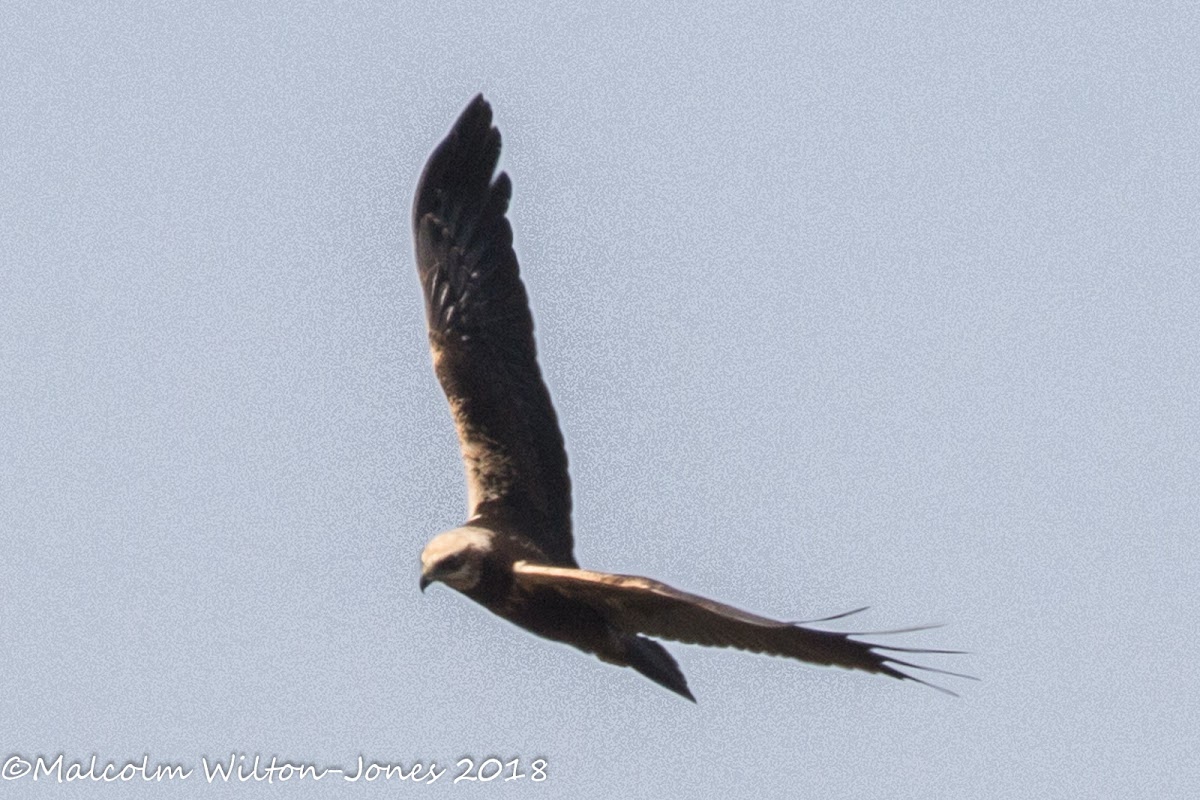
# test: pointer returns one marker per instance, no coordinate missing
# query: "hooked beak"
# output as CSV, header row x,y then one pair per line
x,y
425,581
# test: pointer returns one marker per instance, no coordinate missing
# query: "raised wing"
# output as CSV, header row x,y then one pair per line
x,y
481,335
642,605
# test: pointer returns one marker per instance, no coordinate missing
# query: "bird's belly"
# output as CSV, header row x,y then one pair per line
x,y
552,616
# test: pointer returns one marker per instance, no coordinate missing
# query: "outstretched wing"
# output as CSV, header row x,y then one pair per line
x,y
481,335
642,605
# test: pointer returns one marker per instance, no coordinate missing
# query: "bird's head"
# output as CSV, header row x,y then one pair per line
x,y
456,558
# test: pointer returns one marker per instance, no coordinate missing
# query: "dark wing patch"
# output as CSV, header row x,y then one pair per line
x,y
642,605
481,335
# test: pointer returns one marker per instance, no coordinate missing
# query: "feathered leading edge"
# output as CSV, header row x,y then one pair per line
x,y
638,605
481,335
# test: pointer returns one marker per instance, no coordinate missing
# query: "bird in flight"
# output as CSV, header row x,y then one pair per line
x,y
514,555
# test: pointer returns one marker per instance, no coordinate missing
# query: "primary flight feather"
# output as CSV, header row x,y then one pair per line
x,y
514,553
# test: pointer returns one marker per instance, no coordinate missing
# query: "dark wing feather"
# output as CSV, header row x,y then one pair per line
x,y
481,335
642,605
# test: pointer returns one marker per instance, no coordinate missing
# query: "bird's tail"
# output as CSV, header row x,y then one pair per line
x,y
652,660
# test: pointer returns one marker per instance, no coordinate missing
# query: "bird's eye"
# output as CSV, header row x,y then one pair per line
x,y
451,564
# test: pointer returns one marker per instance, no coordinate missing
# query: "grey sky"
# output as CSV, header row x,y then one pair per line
x,y
838,306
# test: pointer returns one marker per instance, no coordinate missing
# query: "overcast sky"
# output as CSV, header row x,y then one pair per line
x,y
839,306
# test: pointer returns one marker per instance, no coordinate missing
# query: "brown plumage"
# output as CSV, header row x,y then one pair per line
x,y
514,554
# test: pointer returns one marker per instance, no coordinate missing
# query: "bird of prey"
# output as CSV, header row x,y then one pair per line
x,y
514,555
